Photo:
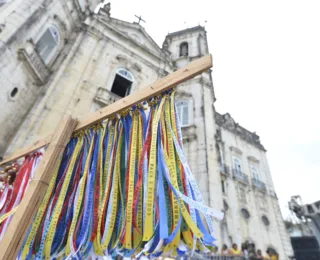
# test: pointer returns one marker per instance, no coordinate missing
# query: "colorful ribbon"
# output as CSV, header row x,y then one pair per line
x,y
13,189
123,188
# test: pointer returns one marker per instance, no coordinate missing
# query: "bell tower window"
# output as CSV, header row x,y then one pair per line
x,y
184,49
122,83
14,92
48,44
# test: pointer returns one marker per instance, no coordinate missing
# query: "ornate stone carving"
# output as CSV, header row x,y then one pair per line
x,y
121,57
34,64
105,10
236,150
253,159
136,67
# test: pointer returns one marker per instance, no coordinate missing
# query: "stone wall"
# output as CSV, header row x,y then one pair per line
x,y
23,23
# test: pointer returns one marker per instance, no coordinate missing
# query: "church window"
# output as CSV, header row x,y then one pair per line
x,y
183,112
122,83
245,213
14,92
48,43
184,49
223,186
265,221
237,166
255,173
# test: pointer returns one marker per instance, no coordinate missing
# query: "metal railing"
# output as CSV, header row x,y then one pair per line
x,y
240,176
259,184
224,169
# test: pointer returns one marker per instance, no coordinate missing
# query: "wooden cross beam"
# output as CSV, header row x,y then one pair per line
x,y
191,70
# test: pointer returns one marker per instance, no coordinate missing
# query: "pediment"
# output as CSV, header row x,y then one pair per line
x,y
137,34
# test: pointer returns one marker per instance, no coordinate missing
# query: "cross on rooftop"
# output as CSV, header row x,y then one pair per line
x,y
140,19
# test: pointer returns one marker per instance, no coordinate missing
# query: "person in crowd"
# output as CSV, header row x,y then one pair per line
x,y
259,254
252,251
244,249
272,254
215,251
235,250
224,250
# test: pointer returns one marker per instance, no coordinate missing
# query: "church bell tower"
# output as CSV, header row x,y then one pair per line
x,y
186,45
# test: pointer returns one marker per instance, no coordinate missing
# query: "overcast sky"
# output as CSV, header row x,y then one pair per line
x,y
266,74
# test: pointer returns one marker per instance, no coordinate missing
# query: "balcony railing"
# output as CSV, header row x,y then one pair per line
x,y
259,184
34,64
240,176
105,97
224,169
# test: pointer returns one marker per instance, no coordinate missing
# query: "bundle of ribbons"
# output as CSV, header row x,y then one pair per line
x,y
14,181
123,187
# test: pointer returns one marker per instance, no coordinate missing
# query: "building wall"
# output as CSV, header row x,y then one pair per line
x,y
23,23
259,202
84,80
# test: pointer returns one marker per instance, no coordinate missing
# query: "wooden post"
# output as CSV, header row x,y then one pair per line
x,y
24,216
172,80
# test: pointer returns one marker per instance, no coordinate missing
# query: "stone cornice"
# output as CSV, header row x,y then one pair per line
x,y
227,122
192,29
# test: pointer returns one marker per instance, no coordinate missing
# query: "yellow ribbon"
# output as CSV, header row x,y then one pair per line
x,y
41,211
148,227
8,214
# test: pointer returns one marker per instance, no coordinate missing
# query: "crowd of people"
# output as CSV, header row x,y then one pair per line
x,y
247,251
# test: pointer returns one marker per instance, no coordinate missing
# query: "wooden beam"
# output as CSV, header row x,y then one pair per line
x,y
191,70
24,216
32,148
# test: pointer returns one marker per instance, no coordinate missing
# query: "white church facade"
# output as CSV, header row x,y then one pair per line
x,y
58,57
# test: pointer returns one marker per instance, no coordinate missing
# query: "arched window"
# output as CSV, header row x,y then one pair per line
x,y
122,83
48,43
14,92
245,213
183,112
184,49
